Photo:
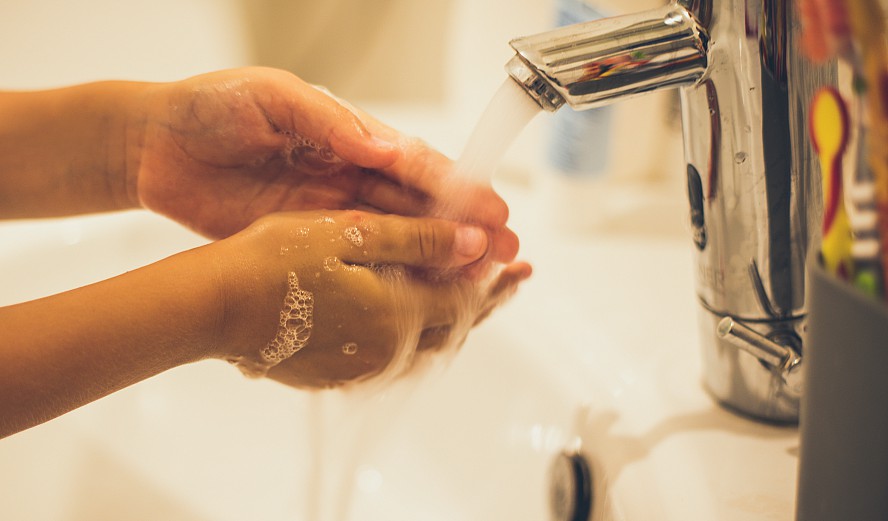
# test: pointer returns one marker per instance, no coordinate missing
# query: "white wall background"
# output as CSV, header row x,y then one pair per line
x,y
368,49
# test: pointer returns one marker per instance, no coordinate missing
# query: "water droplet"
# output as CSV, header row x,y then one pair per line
x,y
740,157
350,348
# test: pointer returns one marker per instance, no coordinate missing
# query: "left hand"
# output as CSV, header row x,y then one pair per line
x,y
217,151
362,277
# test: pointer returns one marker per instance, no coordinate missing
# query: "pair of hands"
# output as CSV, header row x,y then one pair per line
x,y
266,161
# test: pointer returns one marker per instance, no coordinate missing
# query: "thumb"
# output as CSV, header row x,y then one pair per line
x,y
421,242
348,137
352,142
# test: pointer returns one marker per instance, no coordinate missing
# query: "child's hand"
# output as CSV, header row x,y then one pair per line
x,y
359,305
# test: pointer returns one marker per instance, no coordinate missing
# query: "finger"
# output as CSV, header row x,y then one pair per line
x,y
444,302
426,170
504,287
503,245
350,140
456,198
419,242
433,338
502,248
381,193
300,109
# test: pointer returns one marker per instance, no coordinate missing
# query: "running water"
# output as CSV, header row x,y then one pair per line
x,y
510,110
346,423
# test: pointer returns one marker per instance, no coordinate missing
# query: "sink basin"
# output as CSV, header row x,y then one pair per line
x,y
599,349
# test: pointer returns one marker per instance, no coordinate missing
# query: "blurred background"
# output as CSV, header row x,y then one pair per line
x,y
371,52
409,62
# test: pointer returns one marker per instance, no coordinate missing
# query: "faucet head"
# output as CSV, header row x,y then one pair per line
x,y
546,96
598,62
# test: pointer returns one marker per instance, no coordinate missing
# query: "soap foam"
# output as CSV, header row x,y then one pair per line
x,y
353,235
294,329
302,151
295,324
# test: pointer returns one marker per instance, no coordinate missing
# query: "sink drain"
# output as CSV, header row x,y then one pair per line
x,y
570,488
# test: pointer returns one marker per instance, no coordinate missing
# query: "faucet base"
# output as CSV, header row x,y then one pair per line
x,y
739,380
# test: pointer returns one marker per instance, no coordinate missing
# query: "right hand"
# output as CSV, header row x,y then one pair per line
x,y
372,307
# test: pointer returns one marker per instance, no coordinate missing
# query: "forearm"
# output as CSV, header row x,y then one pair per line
x,y
64,151
64,351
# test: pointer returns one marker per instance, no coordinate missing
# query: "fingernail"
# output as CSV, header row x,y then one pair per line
x,y
470,241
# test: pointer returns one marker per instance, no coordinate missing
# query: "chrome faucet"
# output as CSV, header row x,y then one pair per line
x,y
753,183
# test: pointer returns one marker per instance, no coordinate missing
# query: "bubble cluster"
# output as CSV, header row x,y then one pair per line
x,y
325,154
301,149
350,348
354,268
354,236
296,320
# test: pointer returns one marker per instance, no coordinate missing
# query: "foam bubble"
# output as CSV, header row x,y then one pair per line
x,y
350,348
295,322
351,267
332,263
294,329
354,236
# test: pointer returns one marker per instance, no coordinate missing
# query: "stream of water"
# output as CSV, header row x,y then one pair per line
x,y
343,424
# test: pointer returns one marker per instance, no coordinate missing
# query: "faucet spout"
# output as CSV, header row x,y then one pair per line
x,y
594,63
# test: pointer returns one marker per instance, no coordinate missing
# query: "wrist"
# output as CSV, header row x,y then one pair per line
x,y
142,106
